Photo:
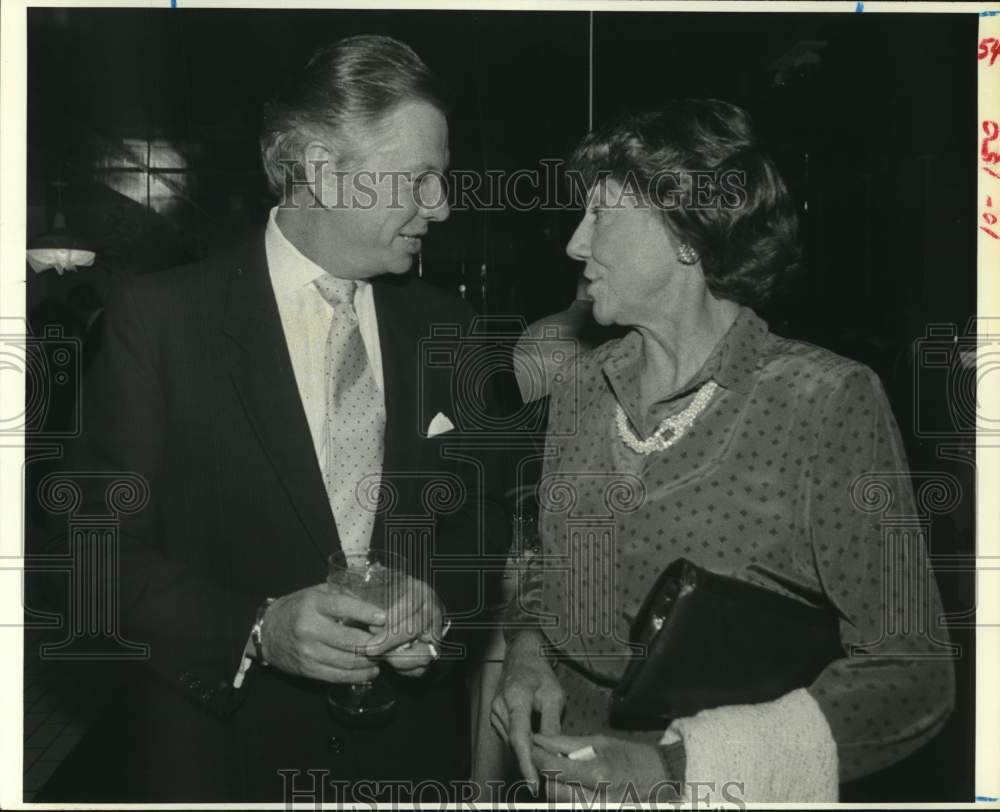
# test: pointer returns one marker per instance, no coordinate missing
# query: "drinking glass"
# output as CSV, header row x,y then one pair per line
x,y
379,578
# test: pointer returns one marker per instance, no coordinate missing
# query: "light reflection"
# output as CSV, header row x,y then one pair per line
x,y
153,173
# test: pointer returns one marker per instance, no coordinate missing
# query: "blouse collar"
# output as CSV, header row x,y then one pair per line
x,y
731,364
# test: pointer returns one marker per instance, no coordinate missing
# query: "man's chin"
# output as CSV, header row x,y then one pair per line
x,y
399,265
602,317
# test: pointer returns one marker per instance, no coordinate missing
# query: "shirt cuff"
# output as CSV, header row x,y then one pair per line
x,y
674,760
245,662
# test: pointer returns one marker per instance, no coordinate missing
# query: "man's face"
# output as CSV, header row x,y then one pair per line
x,y
384,202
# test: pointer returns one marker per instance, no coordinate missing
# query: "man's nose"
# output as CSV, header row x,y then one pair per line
x,y
432,200
579,244
437,213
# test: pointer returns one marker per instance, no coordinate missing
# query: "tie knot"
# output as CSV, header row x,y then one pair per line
x,y
335,290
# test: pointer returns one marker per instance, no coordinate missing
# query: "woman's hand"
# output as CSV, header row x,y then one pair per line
x,y
618,770
527,683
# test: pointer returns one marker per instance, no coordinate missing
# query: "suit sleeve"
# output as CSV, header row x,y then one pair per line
x,y
196,629
895,689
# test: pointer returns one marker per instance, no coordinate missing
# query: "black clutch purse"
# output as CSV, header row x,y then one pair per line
x,y
712,640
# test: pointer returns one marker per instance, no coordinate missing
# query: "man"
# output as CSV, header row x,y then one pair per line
x,y
88,311
260,395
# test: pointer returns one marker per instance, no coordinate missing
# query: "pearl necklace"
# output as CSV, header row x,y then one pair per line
x,y
677,423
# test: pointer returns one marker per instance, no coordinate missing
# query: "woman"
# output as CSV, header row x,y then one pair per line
x,y
743,452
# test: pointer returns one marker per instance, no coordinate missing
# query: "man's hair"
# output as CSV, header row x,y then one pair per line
x,y
344,87
745,248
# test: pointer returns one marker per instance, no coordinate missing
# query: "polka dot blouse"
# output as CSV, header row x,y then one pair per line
x,y
793,478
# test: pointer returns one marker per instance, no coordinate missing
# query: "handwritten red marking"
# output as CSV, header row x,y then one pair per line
x,y
989,46
992,233
991,172
992,130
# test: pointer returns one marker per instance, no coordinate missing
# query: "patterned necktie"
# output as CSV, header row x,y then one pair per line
x,y
355,419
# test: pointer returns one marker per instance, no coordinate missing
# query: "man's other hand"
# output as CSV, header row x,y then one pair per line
x,y
409,640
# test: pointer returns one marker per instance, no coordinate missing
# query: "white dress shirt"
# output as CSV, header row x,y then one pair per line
x,y
306,317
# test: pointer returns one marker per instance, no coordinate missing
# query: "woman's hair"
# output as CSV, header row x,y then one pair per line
x,y
699,163
344,87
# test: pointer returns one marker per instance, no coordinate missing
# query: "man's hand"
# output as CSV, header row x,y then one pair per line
x,y
413,628
618,769
413,659
527,683
305,634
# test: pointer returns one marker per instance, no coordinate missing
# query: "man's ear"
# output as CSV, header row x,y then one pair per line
x,y
320,172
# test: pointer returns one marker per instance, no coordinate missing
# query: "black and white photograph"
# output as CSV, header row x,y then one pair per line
x,y
566,404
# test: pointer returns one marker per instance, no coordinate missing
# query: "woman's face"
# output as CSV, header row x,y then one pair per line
x,y
630,256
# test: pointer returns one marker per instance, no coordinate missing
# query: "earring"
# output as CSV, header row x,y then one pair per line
x,y
686,254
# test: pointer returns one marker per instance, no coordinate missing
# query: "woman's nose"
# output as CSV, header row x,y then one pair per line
x,y
579,244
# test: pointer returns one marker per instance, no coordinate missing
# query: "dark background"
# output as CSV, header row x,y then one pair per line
x,y
151,117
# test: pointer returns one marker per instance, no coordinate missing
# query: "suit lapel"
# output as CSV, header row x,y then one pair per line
x,y
399,335
262,373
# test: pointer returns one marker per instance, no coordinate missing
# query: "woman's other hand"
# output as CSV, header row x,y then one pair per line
x,y
527,684
614,770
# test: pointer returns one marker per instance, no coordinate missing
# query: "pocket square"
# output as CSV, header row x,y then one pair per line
x,y
439,425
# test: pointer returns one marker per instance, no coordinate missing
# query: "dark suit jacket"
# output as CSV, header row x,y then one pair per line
x,y
92,339
194,390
